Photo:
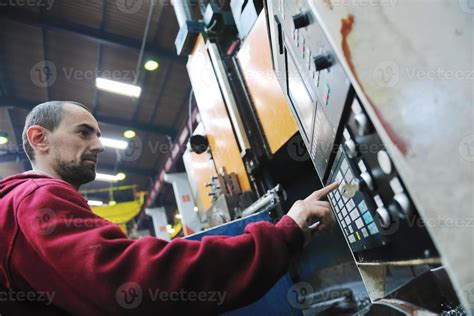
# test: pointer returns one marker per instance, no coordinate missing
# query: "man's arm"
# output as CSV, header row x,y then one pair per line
x,y
97,259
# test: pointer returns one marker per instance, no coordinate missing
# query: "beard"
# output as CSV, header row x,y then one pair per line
x,y
75,174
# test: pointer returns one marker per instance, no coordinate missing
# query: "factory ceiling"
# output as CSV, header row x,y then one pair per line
x,y
55,50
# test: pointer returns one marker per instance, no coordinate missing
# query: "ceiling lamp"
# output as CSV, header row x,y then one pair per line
x,y
109,177
114,143
129,134
3,138
95,203
151,65
118,87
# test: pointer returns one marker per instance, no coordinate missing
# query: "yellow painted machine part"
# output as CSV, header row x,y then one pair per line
x,y
210,102
120,213
267,96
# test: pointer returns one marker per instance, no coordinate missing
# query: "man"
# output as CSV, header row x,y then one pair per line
x,y
51,242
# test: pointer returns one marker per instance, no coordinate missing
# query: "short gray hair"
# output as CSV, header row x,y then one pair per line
x,y
48,115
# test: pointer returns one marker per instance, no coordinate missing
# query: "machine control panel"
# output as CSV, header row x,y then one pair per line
x,y
371,203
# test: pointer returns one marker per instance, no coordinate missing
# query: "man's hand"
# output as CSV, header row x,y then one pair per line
x,y
303,212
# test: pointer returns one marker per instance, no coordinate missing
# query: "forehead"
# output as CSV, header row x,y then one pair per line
x,y
75,115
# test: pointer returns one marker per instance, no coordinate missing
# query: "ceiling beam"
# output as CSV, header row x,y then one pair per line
x,y
52,23
147,128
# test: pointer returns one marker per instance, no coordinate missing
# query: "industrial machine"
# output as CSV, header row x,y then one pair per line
x,y
294,95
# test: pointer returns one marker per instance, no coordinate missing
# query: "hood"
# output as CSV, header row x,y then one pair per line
x,y
8,184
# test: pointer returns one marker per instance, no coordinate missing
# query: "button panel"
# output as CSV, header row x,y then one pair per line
x,y
353,214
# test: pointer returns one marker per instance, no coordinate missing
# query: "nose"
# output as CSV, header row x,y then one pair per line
x,y
97,147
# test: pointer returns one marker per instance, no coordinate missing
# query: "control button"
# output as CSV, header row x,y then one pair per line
x,y
404,203
384,162
396,185
363,207
367,180
357,235
350,229
373,229
301,20
323,61
363,124
344,212
351,239
368,218
359,223
384,218
354,214
364,232
351,148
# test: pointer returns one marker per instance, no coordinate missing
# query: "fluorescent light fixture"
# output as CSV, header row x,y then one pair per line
x,y
118,87
95,203
109,177
3,140
196,209
121,176
114,143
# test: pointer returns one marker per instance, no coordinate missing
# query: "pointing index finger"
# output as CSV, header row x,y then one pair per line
x,y
324,191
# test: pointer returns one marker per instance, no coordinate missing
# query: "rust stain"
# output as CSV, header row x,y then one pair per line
x,y
346,28
329,4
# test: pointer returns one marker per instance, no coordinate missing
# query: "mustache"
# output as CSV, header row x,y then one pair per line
x,y
89,157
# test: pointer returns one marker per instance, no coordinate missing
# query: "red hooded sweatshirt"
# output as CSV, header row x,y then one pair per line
x,y
52,244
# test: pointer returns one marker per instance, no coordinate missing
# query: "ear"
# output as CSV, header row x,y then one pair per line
x,y
37,136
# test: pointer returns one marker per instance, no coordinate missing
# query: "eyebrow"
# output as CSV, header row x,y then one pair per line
x,y
90,128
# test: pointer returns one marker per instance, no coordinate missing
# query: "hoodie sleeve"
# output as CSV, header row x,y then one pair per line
x,y
95,258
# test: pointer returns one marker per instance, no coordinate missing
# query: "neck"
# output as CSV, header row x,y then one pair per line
x,y
37,168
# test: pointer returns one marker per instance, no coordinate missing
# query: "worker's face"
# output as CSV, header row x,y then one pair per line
x,y
75,145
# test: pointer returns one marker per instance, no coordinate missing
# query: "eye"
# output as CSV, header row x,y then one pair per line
x,y
84,133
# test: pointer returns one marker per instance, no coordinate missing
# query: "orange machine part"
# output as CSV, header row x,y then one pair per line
x,y
212,110
272,109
